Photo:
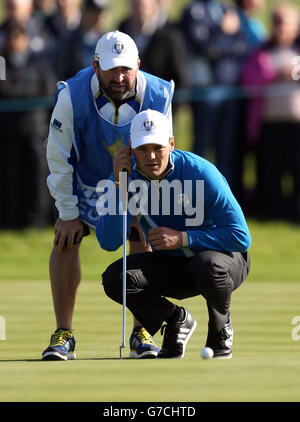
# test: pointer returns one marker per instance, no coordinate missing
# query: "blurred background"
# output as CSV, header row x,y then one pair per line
x,y
236,67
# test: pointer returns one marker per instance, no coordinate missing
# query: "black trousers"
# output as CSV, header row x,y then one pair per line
x,y
152,277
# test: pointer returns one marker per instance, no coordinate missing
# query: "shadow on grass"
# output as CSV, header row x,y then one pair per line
x,y
81,359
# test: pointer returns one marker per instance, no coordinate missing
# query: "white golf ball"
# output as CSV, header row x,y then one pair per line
x,y
207,353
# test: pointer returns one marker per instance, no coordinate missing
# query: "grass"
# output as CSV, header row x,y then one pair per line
x,y
265,365
24,255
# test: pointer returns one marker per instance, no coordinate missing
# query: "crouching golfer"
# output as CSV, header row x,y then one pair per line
x,y
197,231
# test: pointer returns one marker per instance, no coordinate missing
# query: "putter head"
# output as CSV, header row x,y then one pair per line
x,y
121,347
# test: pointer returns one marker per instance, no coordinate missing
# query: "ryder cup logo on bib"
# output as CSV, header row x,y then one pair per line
x,y
118,47
148,125
183,199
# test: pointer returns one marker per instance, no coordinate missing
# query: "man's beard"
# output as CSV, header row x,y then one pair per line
x,y
115,95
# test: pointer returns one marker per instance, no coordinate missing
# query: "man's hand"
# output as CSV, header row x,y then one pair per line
x,y
67,233
140,245
122,161
165,238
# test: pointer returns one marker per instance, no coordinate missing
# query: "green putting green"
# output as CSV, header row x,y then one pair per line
x,y
264,366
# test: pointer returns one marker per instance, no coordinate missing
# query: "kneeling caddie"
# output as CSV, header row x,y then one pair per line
x,y
197,231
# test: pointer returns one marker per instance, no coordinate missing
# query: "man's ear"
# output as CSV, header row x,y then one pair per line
x,y
172,143
95,65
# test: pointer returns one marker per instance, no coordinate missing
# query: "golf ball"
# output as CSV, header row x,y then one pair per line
x,y
207,353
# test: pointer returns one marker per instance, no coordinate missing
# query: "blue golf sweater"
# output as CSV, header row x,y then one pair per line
x,y
221,224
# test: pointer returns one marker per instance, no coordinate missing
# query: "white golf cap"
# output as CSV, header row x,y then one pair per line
x,y
116,49
149,127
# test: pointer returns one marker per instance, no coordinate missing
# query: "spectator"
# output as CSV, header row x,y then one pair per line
x,y
255,34
217,49
21,12
60,27
199,21
252,27
82,42
227,50
273,120
45,7
25,199
161,45
66,18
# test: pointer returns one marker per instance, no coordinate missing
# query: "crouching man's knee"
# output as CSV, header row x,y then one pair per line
x,y
112,281
211,271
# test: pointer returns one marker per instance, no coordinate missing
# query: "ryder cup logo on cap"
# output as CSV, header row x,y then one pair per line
x,y
149,127
116,49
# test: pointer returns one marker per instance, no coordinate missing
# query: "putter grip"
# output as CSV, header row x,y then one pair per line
x,y
123,170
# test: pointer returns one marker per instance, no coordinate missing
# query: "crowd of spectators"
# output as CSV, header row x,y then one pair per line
x,y
242,80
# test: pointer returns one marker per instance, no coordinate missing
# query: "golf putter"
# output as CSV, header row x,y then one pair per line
x,y
123,195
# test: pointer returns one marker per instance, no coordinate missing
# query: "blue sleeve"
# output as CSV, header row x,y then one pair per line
x,y
109,228
228,229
